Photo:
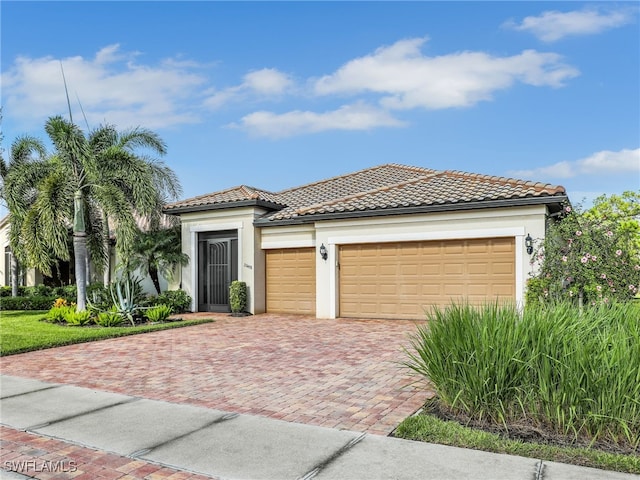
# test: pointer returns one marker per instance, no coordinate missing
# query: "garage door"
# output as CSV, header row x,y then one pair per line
x,y
400,280
291,280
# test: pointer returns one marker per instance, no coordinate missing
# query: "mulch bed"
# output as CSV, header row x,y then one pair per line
x,y
524,430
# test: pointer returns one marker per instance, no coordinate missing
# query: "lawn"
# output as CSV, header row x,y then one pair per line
x,y
23,331
427,428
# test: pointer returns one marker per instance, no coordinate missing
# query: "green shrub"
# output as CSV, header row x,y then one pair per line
x,y
78,319
238,296
67,291
158,313
178,300
26,303
41,291
6,291
109,318
58,314
573,372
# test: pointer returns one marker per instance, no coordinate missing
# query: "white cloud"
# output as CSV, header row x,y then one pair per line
x,y
349,117
604,162
267,82
551,26
112,87
408,79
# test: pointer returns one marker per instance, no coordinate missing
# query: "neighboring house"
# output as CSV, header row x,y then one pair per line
x,y
385,242
28,277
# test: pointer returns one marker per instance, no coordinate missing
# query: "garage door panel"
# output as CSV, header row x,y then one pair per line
x,y
411,277
291,280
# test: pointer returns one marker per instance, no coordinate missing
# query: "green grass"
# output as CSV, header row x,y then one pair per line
x,y
427,428
22,331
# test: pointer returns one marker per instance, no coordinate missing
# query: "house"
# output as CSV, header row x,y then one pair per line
x,y
384,242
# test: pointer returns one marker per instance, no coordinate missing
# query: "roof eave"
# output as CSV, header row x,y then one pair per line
x,y
222,206
551,200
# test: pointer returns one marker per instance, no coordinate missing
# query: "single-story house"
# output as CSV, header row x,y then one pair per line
x,y
384,242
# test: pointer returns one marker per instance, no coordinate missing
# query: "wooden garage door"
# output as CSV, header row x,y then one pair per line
x,y
401,280
291,280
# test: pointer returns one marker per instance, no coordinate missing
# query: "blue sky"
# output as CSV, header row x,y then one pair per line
x,y
276,95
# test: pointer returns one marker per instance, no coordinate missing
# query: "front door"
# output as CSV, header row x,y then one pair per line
x,y
217,268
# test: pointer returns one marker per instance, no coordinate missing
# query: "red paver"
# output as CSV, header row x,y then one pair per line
x,y
47,459
332,373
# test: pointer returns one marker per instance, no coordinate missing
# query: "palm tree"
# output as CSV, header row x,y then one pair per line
x,y
19,176
158,252
116,152
91,179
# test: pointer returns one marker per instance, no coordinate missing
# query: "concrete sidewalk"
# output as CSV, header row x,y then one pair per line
x,y
230,446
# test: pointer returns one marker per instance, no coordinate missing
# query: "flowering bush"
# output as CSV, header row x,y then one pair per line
x,y
586,257
60,302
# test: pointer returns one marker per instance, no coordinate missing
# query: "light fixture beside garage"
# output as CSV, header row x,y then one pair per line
x,y
528,242
323,252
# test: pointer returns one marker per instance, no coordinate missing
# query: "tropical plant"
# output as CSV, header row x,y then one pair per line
x,y
158,252
59,312
125,294
77,318
238,296
91,179
110,318
17,191
158,313
115,150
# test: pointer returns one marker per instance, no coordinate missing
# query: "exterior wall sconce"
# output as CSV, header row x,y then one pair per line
x,y
528,242
323,252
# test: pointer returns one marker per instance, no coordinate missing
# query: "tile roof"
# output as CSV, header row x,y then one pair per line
x,y
384,187
241,193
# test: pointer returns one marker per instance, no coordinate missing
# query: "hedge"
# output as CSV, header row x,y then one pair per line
x,y
27,303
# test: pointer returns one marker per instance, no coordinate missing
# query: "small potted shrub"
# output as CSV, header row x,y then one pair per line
x,y
238,298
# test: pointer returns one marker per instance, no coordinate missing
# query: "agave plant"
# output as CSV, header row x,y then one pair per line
x,y
124,294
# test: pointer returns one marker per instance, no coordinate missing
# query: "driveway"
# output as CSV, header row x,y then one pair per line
x,y
332,373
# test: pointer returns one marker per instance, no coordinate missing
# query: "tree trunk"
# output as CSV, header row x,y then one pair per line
x,y
80,257
80,250
153,273
15,268
106,277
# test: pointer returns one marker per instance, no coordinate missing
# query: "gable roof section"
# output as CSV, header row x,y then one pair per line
x,y
382,190
239,196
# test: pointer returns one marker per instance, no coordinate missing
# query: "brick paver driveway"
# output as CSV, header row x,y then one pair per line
x,y
334,373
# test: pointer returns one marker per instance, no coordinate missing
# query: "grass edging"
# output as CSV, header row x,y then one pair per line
x,y
58,335
428,428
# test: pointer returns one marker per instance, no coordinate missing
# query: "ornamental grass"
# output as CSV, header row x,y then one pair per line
x,y
572,372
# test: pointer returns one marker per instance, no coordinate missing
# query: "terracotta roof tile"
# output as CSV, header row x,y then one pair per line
x,y
383,187
235,194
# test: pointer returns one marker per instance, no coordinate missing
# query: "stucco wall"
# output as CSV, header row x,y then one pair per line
x,y
4,241
503,222
250,255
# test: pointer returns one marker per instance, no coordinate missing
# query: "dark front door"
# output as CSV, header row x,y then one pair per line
x,y
217,268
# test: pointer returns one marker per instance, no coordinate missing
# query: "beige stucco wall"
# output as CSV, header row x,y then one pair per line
x,y
32,276
4,241
499,222
250,255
